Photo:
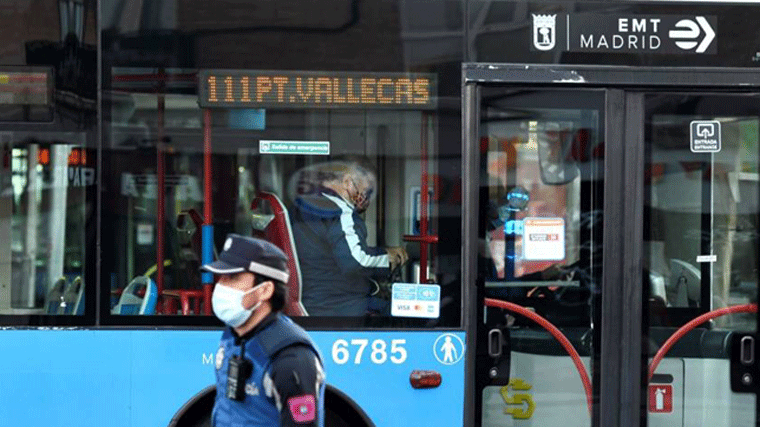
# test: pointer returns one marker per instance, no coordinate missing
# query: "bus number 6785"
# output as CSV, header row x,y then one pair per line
x,y
378,351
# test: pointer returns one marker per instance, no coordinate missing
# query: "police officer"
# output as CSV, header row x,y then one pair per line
x,y
268,371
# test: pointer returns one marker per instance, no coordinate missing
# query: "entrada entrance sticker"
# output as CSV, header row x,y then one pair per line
x,y
705,136
590,32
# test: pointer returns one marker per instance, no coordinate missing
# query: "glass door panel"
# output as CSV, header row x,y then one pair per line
x,y
539,261
700,253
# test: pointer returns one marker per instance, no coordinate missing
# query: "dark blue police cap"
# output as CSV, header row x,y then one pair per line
x,y
258,256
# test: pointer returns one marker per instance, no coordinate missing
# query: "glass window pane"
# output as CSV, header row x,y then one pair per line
x,y
700,258
702,214
347,183
536,221
43,215
156,170
541,175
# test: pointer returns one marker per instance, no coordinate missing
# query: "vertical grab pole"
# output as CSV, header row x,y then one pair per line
x,y
424,239
161,197
423,198
207,234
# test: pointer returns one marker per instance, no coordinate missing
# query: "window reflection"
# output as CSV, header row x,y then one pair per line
x,y
702,231
42,213
148,130
255,173
534,190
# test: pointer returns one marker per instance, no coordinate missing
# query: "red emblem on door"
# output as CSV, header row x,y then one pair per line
x,y
660,398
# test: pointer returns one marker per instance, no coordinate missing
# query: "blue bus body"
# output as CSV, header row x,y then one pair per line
x,y
131,378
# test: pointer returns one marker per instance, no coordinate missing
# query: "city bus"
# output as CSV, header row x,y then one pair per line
x,y
575,183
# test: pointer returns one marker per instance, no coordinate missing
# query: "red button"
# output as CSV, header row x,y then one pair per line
x,y
425,379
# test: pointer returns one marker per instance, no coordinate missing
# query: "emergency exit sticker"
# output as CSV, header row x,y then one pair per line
x,y
415,300
660,398
308,148
544,239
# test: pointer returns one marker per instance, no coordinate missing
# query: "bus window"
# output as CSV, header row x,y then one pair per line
x,y
529,193
536,220
701,234
156,214
42,216
352,195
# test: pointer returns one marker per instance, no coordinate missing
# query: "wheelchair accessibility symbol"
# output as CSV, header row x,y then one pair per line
x,y
448,349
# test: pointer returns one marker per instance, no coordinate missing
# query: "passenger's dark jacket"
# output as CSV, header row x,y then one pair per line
x,y
336,262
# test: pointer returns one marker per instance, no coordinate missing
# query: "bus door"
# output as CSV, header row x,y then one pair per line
x,y
610,242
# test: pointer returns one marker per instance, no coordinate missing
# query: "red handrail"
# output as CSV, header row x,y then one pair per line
x,y
160,200
683,330
556,333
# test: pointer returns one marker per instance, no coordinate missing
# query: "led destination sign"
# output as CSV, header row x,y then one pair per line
x,y
25,86
288,89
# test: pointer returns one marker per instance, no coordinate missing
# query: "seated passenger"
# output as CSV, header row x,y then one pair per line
x,y
338,268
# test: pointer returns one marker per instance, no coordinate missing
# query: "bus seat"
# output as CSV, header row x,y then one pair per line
x,y
275,228
74,297
131,303
54,302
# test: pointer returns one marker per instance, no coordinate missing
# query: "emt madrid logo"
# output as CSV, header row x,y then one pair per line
x,y
689,34
625,33
544,31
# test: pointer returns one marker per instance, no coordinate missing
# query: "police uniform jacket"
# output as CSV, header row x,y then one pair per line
x,y
286,385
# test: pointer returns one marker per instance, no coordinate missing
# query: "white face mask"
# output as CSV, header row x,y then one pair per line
x,y
227,303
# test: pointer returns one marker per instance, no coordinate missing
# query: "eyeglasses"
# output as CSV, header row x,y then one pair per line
x,y
361,198
356,186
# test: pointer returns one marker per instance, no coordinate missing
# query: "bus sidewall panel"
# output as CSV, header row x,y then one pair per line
x,y
146,377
